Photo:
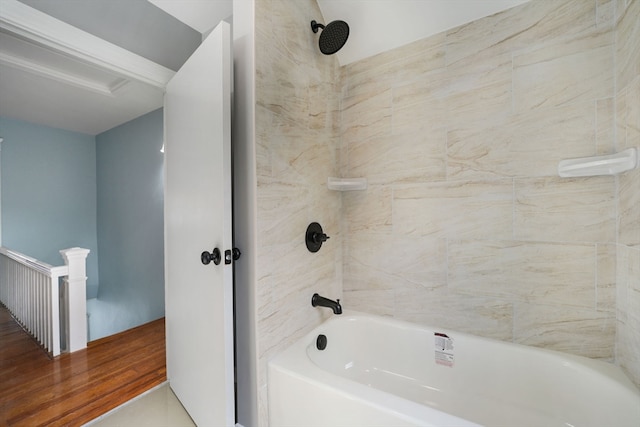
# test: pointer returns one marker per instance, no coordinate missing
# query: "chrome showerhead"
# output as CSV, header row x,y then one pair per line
x,y
334,35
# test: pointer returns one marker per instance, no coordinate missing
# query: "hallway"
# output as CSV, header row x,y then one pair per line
x,y
73,389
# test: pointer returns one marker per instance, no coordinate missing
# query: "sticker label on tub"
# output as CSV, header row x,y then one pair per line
x,y
444,349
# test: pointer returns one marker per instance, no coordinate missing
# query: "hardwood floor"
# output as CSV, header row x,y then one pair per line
x,y
73,389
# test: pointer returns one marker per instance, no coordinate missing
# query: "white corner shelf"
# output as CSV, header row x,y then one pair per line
x,y
599,165
346,184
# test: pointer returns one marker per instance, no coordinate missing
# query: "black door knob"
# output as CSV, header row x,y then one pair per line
x,y
215,256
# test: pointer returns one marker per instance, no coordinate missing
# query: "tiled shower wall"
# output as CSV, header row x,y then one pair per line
x,y
296,139
628,135
465,223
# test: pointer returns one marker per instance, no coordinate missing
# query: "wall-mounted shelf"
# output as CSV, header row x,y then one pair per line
x,y
346,184
599,165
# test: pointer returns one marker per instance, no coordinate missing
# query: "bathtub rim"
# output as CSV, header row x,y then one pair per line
x,y
289,361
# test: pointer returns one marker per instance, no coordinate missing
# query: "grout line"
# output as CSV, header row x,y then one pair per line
x,y
513,208
512,88
513,321
596,277
446,264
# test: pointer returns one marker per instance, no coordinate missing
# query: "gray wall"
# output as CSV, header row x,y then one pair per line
x,y
62,189
48,192
130,226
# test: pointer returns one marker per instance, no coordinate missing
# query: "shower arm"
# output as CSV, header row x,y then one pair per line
x,y
315,26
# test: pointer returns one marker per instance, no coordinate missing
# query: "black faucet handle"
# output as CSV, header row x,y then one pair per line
x,y
314,237
319,237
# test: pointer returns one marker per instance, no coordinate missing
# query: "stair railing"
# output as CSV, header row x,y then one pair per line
x,y
31,290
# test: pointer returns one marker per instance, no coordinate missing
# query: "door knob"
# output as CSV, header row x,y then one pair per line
x,y
214,256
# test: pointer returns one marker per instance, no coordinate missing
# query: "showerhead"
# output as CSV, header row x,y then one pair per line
x,y
333,36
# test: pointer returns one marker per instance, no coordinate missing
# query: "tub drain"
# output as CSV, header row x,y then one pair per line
x,y
321,342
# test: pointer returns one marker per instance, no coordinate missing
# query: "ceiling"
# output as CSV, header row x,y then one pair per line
x,y
380,25
43,83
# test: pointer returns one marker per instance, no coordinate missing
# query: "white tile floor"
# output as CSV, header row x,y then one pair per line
x,y
158,407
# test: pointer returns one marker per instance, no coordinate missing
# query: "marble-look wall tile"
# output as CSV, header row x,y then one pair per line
x,y
368,210
360,89
525,144
458,209
620,8
415,157
297,148
633,113
627,46
387,261
373,301
510,95
628,309
263,154
565,210
605,126
284,211
415,112
293,281
621,118
605,13
623,278
629,208
479,88
464,224
565,71
537,273
295,159
521,26
578,331
628,115
485,317
404,64
606,277
431,86
421,298
324,110
366,118
628,135
289,107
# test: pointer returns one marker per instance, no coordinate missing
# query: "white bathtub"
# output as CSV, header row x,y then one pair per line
x,y
383,372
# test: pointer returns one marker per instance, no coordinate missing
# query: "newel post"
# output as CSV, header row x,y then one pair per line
x,y
76,284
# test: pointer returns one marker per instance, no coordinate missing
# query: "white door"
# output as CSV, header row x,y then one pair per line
x,y
199,298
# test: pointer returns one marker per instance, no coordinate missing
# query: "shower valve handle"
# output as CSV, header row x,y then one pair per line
x,y
315,237
319,237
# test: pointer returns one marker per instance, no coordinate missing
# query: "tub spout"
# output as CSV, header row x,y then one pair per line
x,y
317,300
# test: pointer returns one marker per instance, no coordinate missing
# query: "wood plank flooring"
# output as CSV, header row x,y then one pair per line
x,y
73,389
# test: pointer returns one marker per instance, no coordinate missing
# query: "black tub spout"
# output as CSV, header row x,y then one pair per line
x,y
317,300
